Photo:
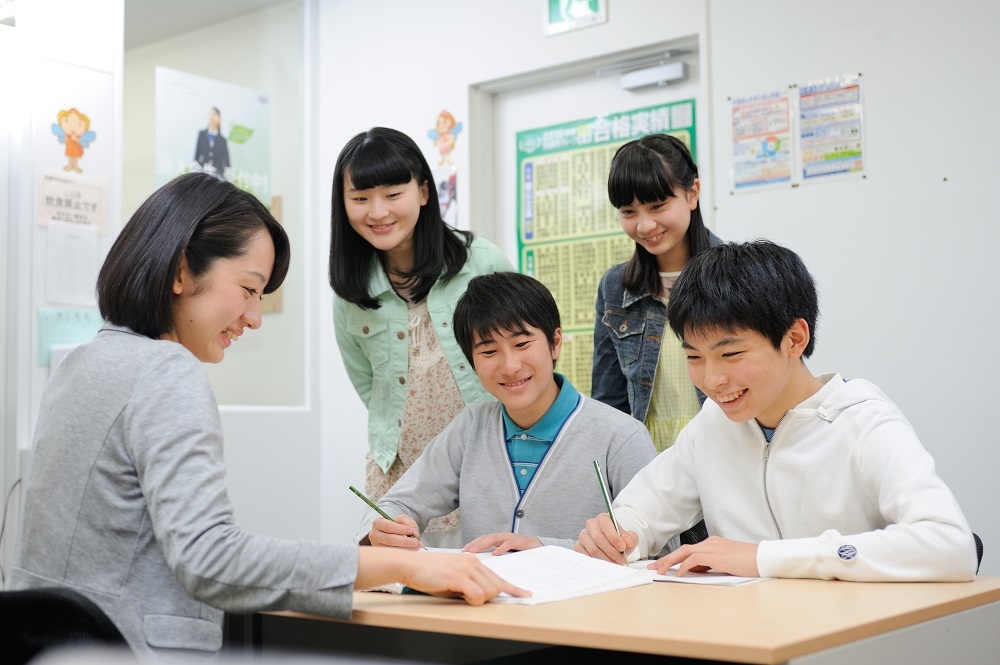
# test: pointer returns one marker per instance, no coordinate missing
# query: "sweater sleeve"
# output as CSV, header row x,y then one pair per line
x,y
926,537
430,487
174,437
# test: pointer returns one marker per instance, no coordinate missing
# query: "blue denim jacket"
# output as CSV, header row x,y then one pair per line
x,y
627,333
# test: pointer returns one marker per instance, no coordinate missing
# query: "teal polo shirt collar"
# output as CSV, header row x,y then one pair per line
x,y
546,429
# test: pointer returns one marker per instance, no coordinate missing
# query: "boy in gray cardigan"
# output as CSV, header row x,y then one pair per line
x,y
521,468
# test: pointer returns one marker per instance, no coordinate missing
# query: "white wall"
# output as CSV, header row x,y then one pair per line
x,y
261,50
48,51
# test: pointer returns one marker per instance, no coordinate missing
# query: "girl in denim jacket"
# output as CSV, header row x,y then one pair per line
x,y
639,366
397,270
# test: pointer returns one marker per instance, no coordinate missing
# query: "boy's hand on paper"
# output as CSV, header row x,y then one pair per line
x,y
401,533
600,540
713,553
457,575
503,542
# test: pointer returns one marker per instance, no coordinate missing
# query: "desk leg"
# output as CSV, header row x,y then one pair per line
x,y
256,634
242,635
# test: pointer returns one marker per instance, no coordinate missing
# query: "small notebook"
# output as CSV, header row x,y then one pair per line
x,y
710,577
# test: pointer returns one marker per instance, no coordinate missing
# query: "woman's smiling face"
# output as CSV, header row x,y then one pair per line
x,y
211,312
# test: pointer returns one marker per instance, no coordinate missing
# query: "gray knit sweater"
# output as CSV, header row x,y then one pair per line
x,y
126,502
467,466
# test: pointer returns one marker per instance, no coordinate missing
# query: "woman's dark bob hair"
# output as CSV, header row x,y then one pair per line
x,y
384,157
196,214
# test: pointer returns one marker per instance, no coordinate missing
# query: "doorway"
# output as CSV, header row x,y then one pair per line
x,y
541,146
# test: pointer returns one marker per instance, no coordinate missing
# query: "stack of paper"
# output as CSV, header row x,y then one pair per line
x,y
557,573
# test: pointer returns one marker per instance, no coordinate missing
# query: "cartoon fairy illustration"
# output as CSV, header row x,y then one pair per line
x,y
73,129
444,135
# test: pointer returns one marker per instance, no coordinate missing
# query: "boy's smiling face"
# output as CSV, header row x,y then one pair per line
x,y
742,372
517,368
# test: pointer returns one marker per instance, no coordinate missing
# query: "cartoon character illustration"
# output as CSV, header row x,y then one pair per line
x,y
444,134
73,129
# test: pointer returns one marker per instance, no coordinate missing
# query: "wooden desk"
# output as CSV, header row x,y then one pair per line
x,y
776,621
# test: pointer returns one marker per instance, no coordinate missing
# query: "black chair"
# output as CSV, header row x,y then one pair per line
x,y
35,620
979,551
695,534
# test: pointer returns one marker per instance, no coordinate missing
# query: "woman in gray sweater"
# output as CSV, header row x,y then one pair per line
x,y
126,498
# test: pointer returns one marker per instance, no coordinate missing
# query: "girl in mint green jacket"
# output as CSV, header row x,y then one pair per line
x,y
397,271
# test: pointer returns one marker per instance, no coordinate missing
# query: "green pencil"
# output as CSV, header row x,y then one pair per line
x,y
607,498
376,508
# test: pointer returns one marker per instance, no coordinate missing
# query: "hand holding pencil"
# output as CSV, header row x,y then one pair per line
x,y
601,537
387,531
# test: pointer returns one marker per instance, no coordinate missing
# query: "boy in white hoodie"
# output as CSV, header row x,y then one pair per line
x,y
795,475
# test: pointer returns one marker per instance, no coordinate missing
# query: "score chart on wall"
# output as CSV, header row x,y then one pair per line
x,y
567,232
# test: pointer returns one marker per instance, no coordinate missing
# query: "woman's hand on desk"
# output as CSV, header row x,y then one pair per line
x,y
459,575
449,575
401,532
600,539
713,553
503,542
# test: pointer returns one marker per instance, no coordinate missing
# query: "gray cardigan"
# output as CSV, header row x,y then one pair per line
x,y
126,502
467,465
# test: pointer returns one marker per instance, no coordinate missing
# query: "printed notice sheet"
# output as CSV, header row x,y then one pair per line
x,y
762,140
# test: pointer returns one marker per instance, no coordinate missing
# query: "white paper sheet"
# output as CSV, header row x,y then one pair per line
x,y
557,573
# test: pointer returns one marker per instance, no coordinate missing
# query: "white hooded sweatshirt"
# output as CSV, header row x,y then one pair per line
x,y
844,490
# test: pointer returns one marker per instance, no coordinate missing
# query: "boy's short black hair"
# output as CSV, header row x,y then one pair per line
x,y
756,285
504,301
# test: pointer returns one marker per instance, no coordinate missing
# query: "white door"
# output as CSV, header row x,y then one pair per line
x,y
572,274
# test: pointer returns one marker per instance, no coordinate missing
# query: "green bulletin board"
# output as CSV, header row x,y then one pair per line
x,y
567,232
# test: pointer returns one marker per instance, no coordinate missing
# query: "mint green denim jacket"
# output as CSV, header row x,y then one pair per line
x,y
375,349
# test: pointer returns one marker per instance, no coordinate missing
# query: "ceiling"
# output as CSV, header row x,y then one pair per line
x,y
148,21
